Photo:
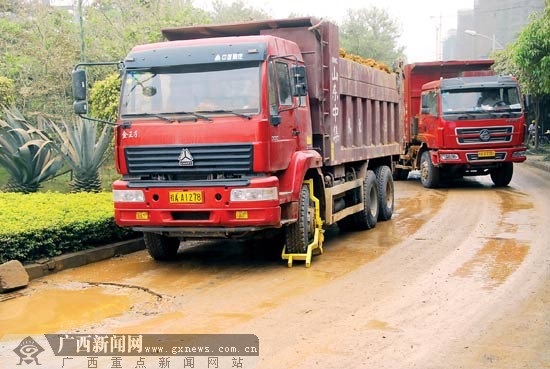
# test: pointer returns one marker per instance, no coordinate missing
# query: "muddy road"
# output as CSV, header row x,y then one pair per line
x,y
459,278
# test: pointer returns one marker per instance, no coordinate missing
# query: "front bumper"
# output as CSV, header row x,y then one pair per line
x,y
216,209
475,157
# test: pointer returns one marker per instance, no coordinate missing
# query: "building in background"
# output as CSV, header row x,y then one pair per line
x,y
490,25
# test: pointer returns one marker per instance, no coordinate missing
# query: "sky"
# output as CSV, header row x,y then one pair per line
x,y
418,19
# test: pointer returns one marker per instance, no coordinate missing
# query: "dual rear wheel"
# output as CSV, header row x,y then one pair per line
x,y
378,201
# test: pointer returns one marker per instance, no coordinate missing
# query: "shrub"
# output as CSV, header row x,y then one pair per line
x,y
104,96
48,224
7,92
26,153
83,152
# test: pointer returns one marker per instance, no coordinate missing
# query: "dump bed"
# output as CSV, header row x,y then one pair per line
x,y
354,108
418,74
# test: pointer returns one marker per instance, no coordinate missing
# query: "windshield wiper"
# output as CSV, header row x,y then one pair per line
x,y
149,115
464,114
221,111
199,116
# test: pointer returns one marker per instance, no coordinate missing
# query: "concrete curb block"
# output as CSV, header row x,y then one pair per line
x,y
83,257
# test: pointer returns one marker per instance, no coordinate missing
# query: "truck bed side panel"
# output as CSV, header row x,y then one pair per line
x,y
354,108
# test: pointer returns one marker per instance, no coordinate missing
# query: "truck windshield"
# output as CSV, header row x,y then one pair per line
x,y
227,88
480,100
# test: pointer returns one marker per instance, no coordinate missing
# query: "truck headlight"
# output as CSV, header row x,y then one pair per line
x,y
254,194
518,154
448,156
128,196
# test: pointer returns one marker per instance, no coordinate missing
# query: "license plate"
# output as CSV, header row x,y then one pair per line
x,y
186,197
241,214
486,154
142,215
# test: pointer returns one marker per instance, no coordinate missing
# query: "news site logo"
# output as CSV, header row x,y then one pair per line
x,y
28,351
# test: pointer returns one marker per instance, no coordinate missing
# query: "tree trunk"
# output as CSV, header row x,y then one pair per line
x,y
537,121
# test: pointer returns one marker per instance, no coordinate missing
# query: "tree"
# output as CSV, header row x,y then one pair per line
x,y
371,33
528,58
237,11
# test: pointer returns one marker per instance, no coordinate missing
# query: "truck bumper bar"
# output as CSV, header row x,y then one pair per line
x,y
479,157
201,232
197,207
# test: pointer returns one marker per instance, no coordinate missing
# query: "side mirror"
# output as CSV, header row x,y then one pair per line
x,y
79,84
299,87
275,120
80,107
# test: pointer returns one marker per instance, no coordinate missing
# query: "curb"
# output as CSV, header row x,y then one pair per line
x,y
542,165
80,258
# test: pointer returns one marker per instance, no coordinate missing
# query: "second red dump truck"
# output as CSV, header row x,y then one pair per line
x,y
461,120
220,134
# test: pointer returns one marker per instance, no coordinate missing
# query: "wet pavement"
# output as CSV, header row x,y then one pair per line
x,y
441,285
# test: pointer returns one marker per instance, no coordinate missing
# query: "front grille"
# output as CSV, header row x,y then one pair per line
x,y
206,159
474,156
472,135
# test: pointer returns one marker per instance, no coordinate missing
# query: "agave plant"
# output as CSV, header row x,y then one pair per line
x,y
83,152
26,153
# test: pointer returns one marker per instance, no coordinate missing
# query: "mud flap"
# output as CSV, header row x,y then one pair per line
x,y
318,236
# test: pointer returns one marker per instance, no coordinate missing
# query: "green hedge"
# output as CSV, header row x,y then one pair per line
x,y
48,224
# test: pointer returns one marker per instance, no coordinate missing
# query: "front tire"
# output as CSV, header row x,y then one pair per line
x,y
429,174
384,187
299,235
502,175
160,247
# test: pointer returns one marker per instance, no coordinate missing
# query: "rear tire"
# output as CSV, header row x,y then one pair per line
x,y
385,189
429,174
502,175
161,247
368,217
299,235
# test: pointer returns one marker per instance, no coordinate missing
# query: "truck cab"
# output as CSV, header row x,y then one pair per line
x,y
205,127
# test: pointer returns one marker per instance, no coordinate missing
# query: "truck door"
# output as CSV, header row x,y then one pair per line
x,y
429,117
284,135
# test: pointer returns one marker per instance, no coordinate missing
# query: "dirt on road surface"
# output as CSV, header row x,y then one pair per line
x,y
459,278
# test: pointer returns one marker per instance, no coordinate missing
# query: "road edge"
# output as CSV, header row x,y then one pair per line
x,y
80,258
539,164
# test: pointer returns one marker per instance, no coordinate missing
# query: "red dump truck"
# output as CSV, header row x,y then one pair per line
x,y
256,128
460,120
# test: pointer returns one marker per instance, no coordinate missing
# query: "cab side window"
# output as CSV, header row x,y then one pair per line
x,y
429,103
283,82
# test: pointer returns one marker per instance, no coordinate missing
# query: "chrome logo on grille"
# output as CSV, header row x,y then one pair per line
x,y
484,135
185,158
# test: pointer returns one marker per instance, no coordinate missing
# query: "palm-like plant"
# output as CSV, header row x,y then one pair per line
x,y
83,152
26,153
